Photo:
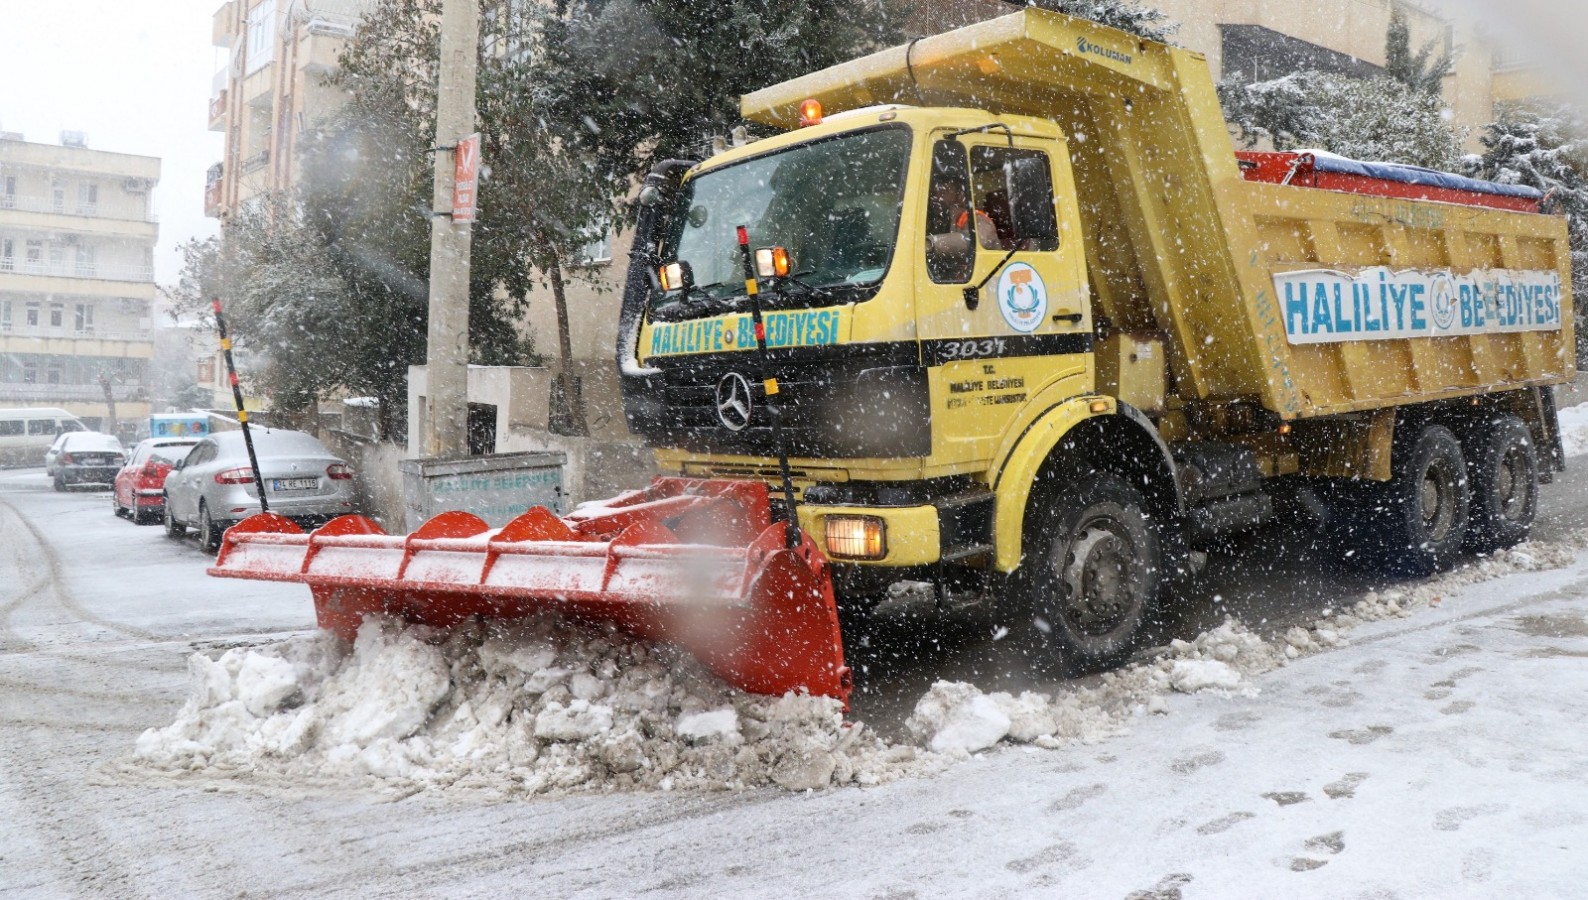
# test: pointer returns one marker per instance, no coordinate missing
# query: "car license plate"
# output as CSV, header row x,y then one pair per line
x,y
294,484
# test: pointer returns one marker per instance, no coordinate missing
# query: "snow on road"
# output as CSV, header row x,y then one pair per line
x,y
1422,743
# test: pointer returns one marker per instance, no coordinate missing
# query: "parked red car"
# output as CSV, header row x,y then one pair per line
x,y
139,491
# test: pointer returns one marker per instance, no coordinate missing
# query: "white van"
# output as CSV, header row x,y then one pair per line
x,y
26,433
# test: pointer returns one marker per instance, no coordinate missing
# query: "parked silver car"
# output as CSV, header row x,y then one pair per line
x,y
83,457
213,487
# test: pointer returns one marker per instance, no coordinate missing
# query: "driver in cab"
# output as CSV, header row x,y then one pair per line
x,y
948,220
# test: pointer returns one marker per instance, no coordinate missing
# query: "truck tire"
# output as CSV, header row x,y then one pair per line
x,y
1419,519
1090,573
1502,464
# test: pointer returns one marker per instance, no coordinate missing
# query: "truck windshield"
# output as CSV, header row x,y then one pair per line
x,y
834,204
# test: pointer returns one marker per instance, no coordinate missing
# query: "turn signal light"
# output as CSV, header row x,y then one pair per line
x,y
675,276
772,262
811,112
234,476
339,472
856,537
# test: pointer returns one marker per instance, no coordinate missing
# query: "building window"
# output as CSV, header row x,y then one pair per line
x,y
30,373
87,199
206,371
597,251
1261,54
261,36
58,198
85,318
8,249
5,315
57,314
33,313
85,260
34,261
52,375
8,196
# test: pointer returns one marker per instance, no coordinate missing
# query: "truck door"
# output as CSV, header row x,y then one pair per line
x,y
1004,310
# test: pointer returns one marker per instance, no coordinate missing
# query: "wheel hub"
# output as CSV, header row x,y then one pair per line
x,y
1098,577
1435,502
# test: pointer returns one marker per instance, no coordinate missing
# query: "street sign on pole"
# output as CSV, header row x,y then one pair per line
x,y
465,178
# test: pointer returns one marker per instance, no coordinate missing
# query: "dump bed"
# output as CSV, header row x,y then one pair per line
x,y
1306,300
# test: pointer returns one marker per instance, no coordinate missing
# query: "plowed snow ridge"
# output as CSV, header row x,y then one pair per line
x,y
544,706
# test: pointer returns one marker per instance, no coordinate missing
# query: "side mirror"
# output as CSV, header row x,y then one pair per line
x,y
1031,201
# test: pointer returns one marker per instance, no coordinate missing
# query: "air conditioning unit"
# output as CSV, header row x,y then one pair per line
x,y
74,139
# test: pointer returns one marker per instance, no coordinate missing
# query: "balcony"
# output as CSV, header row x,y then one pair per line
x,y
39,332
212,200
218,112
82,393
51,206
256,162
95,271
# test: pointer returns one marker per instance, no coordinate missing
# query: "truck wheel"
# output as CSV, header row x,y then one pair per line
x,y
1424,507
1090,572
173,528
1503,467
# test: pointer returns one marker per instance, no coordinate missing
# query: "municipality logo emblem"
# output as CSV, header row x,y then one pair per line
x,y
1444,301
1022,298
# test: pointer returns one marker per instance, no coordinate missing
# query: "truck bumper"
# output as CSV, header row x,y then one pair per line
x,y
949,529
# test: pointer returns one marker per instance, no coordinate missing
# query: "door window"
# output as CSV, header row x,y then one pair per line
x,y
950,249
1014,190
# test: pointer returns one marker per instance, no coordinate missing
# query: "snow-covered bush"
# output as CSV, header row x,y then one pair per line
x,y
1379,118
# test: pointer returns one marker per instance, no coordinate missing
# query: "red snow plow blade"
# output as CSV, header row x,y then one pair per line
x,y
695,563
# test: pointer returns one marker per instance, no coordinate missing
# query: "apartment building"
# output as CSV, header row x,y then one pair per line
x,y
77,237
1263,40
271,90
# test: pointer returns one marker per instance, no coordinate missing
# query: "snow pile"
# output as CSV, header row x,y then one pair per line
x,y
1574,429
541,706
957,719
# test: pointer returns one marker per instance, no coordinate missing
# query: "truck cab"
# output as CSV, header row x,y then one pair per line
x,y
936,295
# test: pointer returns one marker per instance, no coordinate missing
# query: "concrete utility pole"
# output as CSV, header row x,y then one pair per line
x,y
447,357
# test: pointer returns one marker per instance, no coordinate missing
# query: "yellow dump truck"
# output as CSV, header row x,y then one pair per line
x,y
1134,347
1003,316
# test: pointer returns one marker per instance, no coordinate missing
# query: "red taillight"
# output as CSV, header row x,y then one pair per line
x,y
339,472
150,470
235,476
66,458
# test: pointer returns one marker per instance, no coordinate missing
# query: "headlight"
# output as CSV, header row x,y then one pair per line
x,y
857,537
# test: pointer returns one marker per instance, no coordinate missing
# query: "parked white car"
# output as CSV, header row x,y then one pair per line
x,y
213,488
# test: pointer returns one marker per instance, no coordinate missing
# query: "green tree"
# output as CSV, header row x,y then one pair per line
x,y
634,81
1421,71
1125,15
1544,144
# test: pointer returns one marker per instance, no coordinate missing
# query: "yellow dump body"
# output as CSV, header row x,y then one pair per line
x,y
1266,292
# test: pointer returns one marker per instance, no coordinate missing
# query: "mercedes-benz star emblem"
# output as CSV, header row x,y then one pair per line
x,y
733,401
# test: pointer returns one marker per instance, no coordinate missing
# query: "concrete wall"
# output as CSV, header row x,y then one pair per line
x,y
379,480
607,461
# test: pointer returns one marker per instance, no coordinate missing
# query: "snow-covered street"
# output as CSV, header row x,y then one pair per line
x,y
1435,753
